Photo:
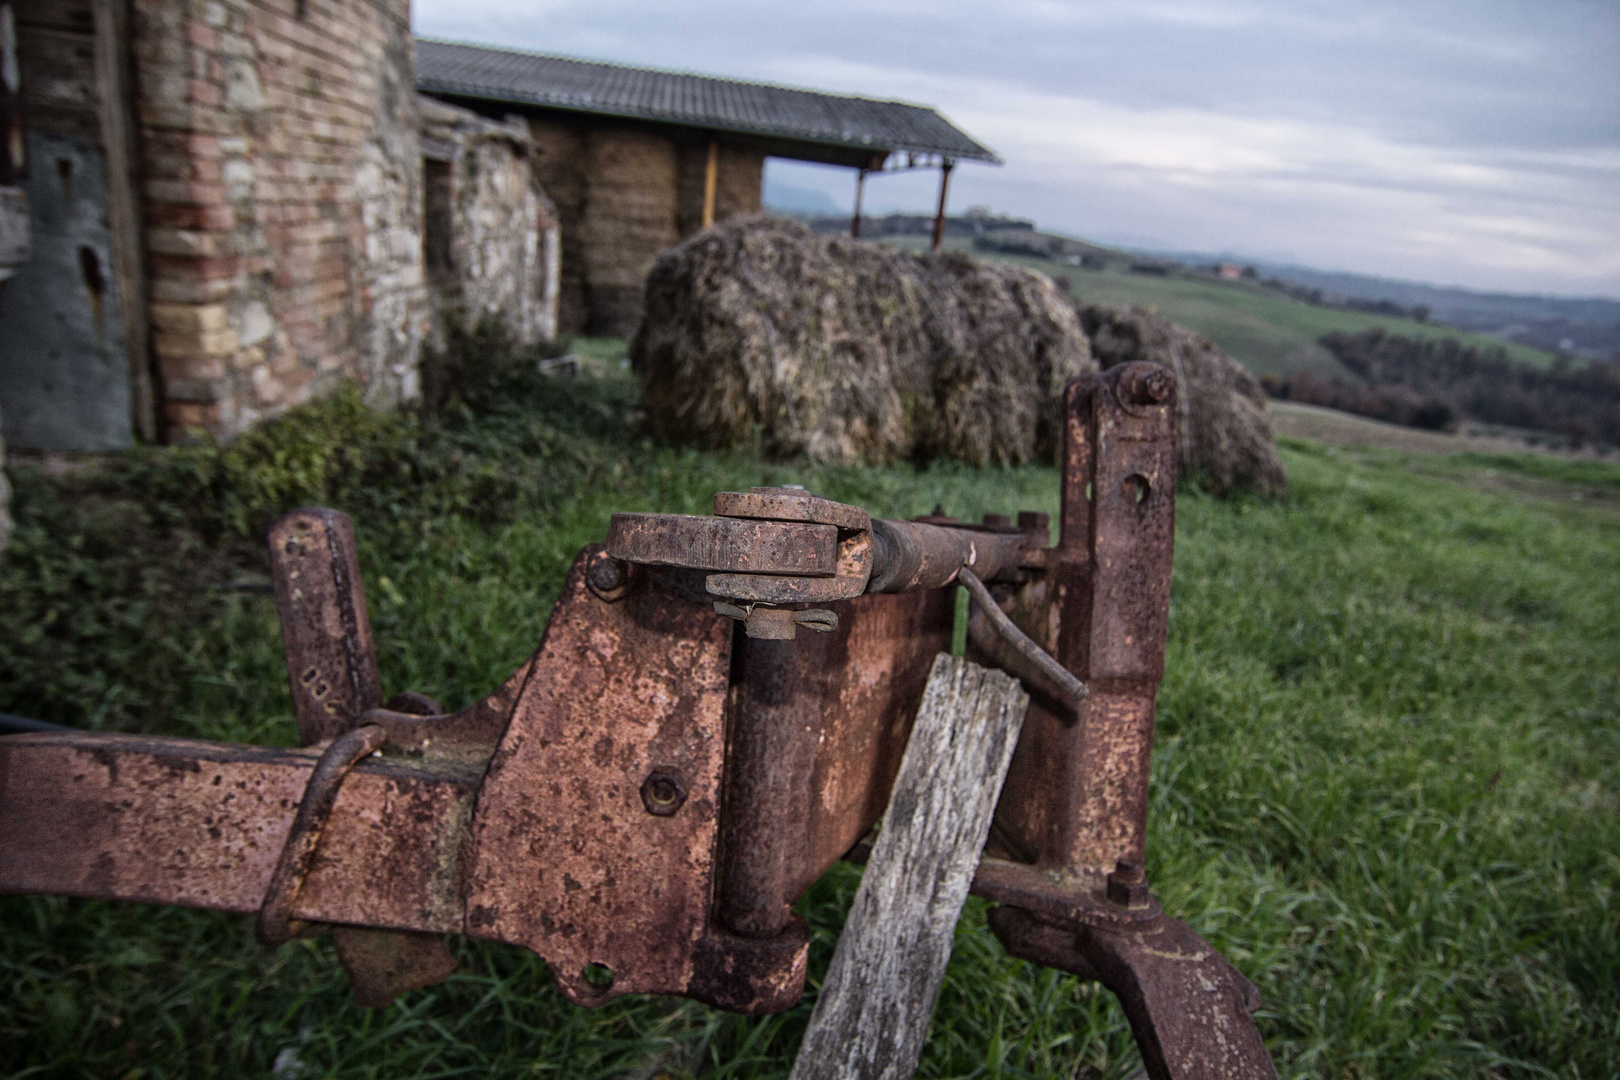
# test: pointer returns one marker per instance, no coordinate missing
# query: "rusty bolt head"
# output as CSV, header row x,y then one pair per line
x,y
662,794
606,577
1127,885
1146,384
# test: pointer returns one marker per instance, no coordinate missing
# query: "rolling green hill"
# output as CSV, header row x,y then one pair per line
x,y
1270,333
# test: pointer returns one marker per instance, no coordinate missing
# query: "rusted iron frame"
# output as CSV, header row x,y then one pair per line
x,y
1061,909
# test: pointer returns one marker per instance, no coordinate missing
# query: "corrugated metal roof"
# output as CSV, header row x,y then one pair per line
x,y
444,67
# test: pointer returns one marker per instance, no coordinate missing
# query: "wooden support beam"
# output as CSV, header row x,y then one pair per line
x,y
939,214
860,189
711,180
872,1016
114,100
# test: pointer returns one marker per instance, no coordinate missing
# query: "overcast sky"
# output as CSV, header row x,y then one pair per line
x,y
1472,144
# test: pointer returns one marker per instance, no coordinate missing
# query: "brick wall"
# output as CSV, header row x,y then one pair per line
x,y
281,174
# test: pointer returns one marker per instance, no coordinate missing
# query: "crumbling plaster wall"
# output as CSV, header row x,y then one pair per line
x,y
491,234
282,194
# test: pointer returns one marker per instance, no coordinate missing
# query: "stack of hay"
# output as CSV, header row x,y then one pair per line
x,y
761,331
1222,432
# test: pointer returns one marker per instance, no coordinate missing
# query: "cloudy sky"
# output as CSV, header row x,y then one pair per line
x,y
1469,143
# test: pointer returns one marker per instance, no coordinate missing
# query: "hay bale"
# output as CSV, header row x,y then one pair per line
x,y
1223,428
759,329
629,217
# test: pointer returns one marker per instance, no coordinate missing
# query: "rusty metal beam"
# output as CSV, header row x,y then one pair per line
x,y
201,824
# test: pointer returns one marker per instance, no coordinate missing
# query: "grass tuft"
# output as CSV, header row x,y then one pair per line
x,y
1384,783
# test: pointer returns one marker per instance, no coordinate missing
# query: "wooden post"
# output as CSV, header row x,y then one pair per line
x,y
711,179
860,188
114,98
872,1016
939,214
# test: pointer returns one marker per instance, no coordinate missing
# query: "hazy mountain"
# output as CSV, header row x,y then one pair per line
x,y
792,199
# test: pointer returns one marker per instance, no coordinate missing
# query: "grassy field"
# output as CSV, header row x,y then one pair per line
x,y
1385,783
1270,333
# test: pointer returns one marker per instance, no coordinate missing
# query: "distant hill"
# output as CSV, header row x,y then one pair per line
x,y
1583,326
797,201
1270,330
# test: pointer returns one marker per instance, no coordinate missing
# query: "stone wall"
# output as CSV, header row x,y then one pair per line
x,y
490,238
281,183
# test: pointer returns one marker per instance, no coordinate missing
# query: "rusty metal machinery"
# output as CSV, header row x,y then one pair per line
x,y
713,718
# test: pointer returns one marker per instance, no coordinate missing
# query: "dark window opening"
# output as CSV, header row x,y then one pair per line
x,y
436,216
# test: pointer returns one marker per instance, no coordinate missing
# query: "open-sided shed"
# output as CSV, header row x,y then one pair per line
x,y
636,159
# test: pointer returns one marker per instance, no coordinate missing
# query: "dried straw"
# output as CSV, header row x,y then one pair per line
x,y
761,331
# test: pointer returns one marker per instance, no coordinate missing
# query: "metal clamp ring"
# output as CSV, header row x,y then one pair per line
x,y
276,924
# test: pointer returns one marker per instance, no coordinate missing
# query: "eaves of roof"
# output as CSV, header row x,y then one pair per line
x,y
699,101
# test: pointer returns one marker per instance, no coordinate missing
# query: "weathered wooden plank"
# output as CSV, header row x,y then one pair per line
x,y
873,1013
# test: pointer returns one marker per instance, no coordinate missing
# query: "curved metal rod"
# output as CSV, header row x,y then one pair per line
x,y
276,924
1071,689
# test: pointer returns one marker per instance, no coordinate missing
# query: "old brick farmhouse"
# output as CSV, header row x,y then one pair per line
x,y
214,209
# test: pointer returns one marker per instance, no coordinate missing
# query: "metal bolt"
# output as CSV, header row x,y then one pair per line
x,y
1146,385
662,794
1127,885
606,577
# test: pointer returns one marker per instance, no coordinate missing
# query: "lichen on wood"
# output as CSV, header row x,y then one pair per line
x,y
871,1018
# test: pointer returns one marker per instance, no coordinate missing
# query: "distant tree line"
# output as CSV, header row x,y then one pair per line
x,y
1338,301
1434,383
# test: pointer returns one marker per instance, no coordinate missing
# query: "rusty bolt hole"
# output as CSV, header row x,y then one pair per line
x,y
1137,489
662,794
599,977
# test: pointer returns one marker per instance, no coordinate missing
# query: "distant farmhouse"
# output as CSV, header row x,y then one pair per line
x,y
210,212
637,159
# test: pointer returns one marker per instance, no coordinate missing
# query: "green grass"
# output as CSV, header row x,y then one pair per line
x,y
1270,333
1385,781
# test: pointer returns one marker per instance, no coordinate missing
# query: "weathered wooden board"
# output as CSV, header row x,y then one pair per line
x,y
872,1016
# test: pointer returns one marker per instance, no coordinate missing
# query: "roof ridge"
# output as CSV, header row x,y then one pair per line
x,y
681,72
849,122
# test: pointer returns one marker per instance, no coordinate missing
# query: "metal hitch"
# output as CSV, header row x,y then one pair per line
x,y
645,798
